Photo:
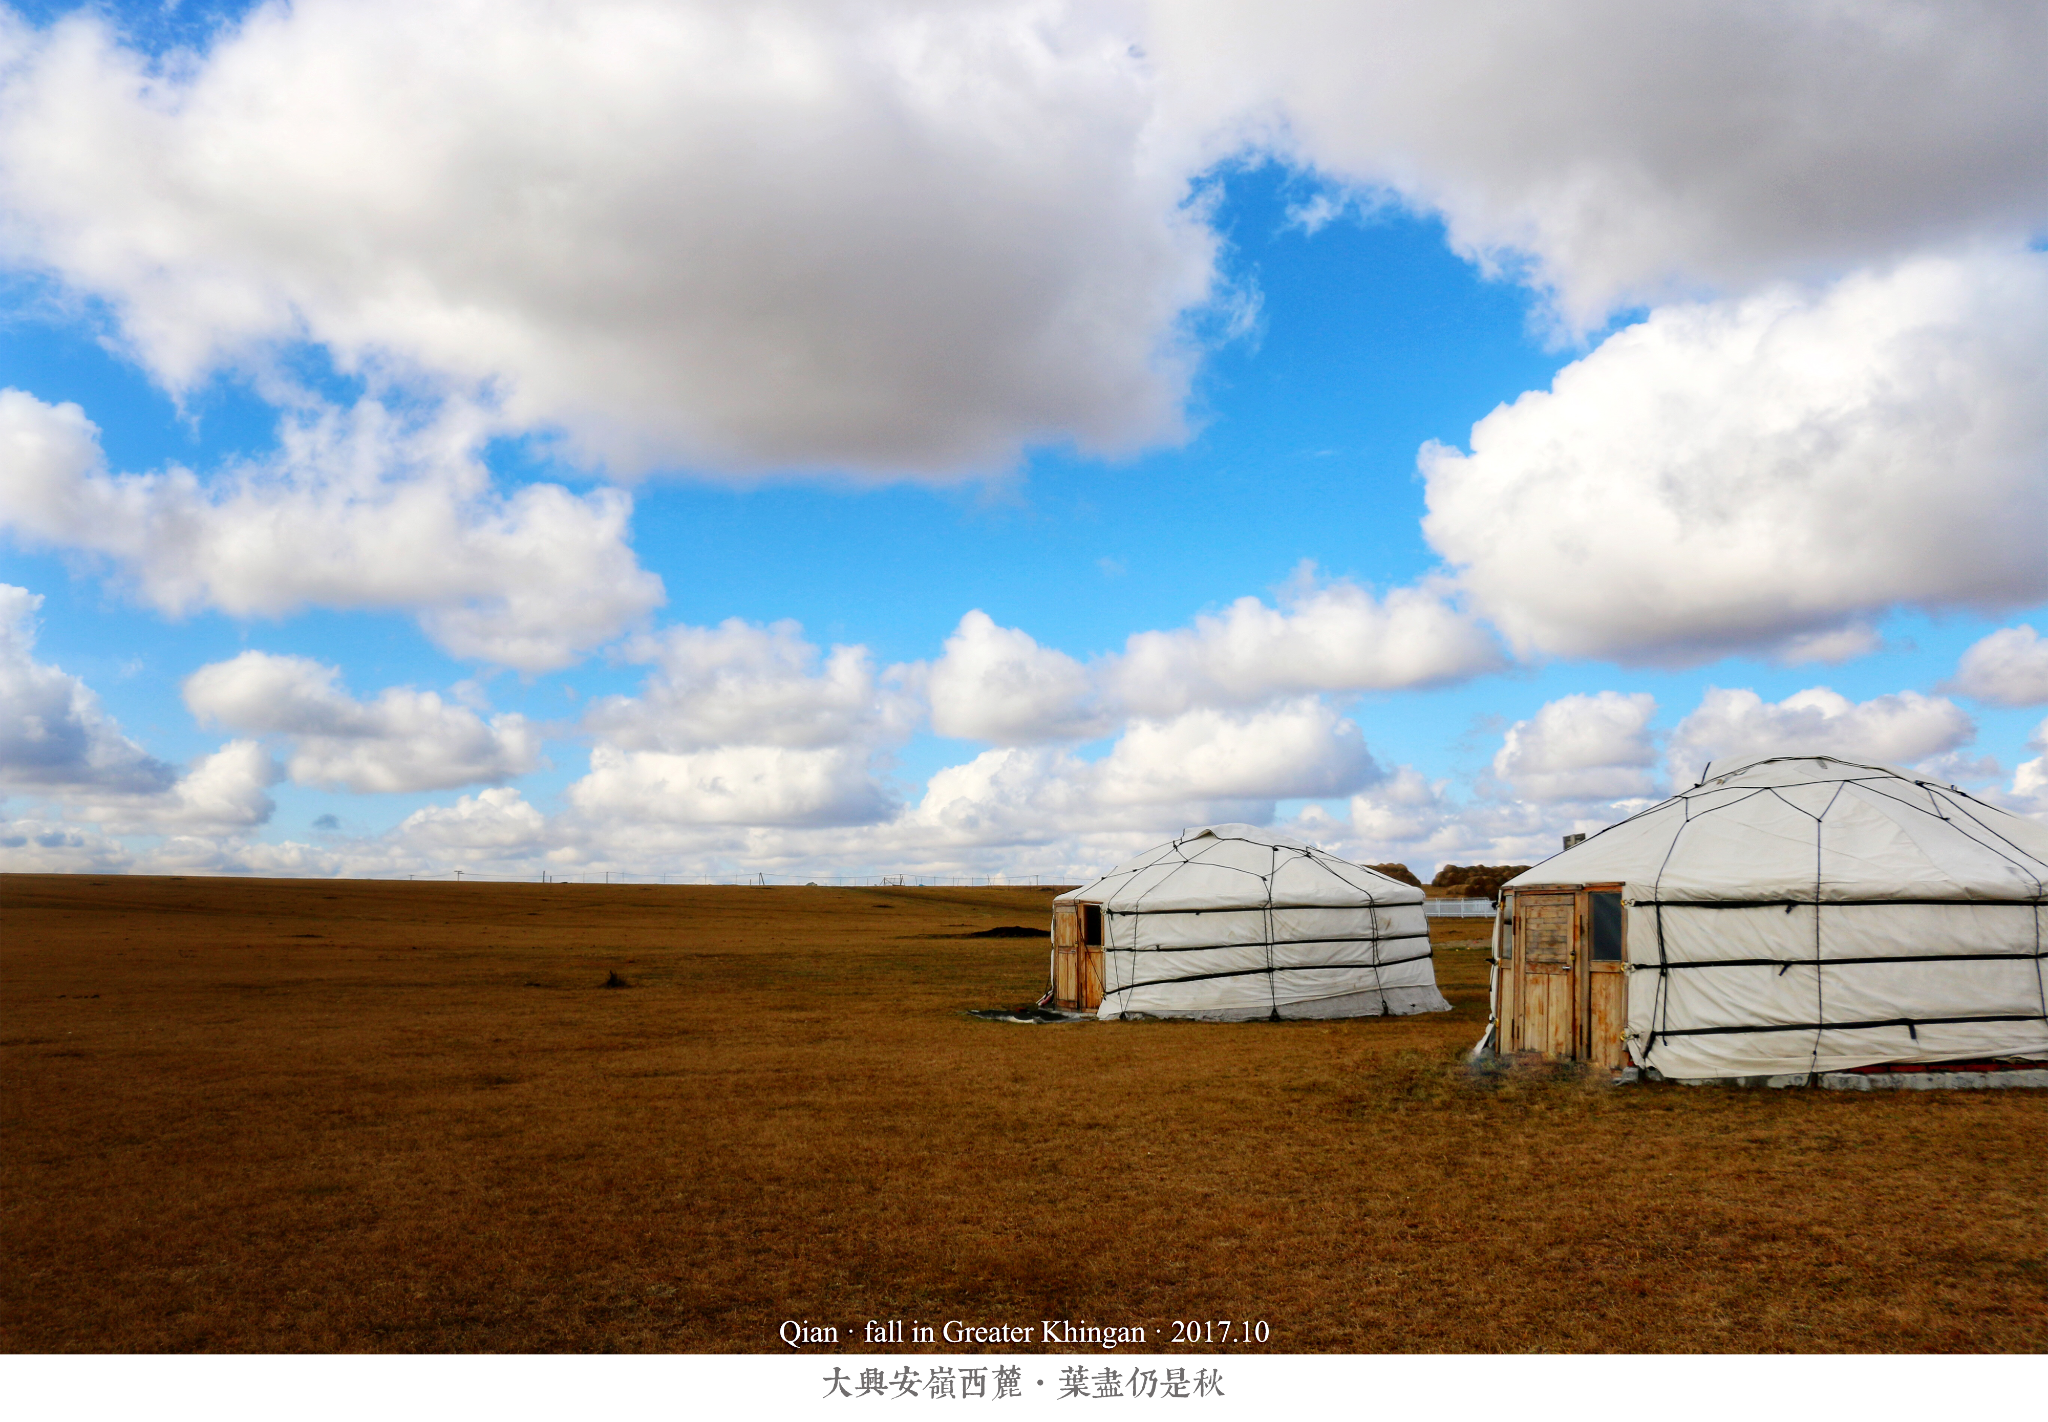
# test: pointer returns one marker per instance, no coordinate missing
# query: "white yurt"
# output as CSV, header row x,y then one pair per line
x,y
1231,923
1785,916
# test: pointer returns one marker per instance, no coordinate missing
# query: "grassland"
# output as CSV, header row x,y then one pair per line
x,y
285,1115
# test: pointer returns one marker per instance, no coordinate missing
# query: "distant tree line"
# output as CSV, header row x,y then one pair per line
x,y
1472,881
1476,881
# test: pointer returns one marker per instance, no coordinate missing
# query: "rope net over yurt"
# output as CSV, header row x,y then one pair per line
x,y
1234,923
1806,913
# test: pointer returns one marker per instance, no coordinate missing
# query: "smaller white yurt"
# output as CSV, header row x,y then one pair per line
x,y
1787,915
1230,923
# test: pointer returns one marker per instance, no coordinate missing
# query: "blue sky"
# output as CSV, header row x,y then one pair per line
x,y
1101,357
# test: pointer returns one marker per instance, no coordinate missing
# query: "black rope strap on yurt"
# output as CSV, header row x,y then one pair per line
x,y
1272,982
1379,985
1847,962
1276,908
1820,1007
1911,1024
1247,972
1789,903
1279,943
2040,986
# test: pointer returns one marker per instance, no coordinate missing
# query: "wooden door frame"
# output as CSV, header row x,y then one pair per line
x,y
1587,979
1076,963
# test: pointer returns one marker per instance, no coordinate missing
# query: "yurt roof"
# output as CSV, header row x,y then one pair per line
x,y
1811,827
1238,866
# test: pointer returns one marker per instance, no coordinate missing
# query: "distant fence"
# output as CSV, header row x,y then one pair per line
x,y
762,881
1457,908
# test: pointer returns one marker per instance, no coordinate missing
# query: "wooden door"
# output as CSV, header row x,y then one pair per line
x,y
1544,944
1066,955
1077,957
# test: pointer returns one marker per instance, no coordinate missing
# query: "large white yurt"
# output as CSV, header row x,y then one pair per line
x,y
1232,923
1787,915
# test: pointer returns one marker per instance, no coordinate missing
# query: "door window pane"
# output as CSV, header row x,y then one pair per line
x,y
1606,927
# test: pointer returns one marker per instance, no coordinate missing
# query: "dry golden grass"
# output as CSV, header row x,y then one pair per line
x,y
296,1115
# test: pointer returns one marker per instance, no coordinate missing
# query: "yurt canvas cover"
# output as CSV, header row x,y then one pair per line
x,y
1232,923
1785,915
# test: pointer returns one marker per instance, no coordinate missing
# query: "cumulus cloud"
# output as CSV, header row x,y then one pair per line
x,y
2007,668
742,683
1899,729
896,238
405,740
358,509
40,846
1160,775
1294,750
1742,475
1410,819
733,785
1335,637
1617,153
797,805
493,824
998,684
58,745
54,735
1597,747
220,793
745,725
2030,780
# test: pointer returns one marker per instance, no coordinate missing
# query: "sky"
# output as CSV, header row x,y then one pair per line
x,y
984,439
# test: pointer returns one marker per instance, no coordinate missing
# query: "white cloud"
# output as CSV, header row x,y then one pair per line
x,y
1336,637
2030,780
893,238
59,746
1741,475
741,683
1409,819
2007,668
732,785
1010,795
357,510
405,740
493,824
998,684
1297,749
220,793
1580,747
1039,808
1629,152
54,736
1899,729
38,846
1203,766
744,725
